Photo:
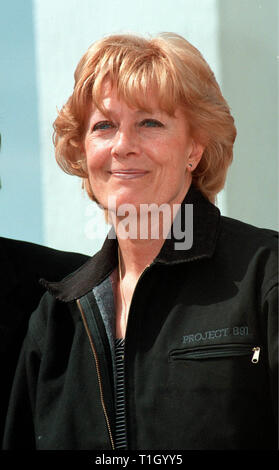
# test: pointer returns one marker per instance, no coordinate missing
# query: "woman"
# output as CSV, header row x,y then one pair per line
x,y
191,327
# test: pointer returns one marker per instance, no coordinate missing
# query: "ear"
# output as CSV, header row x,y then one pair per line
x,y
195,156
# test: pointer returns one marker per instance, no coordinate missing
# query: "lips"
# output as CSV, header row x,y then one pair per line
x,y
128,173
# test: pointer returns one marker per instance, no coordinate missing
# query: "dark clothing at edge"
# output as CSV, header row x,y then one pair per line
x,y
22,264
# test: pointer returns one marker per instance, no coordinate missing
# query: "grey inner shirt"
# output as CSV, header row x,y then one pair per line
x,y
104,295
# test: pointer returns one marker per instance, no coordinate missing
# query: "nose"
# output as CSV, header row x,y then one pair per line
x,y
125,143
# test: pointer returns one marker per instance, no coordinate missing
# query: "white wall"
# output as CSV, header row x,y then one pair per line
x,y
41,43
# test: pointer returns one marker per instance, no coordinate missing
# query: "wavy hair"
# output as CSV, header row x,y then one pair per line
x,y
173,67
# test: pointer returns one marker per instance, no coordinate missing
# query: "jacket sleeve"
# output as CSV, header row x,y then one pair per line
x,y
270,309
19,429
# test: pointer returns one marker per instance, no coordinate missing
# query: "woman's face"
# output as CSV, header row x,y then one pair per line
x,y
138,157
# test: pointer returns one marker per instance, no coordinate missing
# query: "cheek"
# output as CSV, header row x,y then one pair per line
x,y
171,154
96,156
161,151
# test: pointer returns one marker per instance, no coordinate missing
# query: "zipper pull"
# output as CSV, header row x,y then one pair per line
x,y
256,354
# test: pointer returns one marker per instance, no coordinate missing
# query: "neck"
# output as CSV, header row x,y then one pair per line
x,y
135,255
139,251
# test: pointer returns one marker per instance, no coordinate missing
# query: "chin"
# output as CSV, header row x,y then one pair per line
x,y
116,200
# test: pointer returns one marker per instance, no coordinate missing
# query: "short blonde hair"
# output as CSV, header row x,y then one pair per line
x,y
173,67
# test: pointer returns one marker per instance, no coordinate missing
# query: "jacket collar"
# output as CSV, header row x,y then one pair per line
x,y
206,217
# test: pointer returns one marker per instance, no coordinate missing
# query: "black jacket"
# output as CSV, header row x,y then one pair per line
x,y
201,348
22,264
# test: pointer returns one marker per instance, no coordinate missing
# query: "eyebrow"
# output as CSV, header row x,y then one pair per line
x,y
138,112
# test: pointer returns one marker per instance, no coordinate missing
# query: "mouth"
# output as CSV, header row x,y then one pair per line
x,y
130,173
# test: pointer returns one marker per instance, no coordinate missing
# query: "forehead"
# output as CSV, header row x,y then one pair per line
x,y
135,100
110,98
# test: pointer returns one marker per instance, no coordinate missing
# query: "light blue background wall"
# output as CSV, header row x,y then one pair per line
x,y
41,42
21,204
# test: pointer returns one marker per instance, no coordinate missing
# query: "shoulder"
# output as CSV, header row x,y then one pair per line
x,y
40,260
52,319
249,248
244,231
240,235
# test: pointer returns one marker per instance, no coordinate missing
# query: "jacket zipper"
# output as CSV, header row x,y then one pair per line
x,y
256,355
217,351
98,373
93,349
141,275
128,317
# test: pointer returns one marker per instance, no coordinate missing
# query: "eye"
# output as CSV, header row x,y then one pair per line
x,y
151,123
102,125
